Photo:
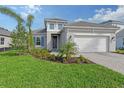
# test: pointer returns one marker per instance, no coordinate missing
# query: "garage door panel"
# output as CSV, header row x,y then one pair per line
x,y
91,43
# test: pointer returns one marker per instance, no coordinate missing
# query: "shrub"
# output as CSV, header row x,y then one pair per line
x,y
83,59
40,53
43,54
78,60
68,50
64,60
52,57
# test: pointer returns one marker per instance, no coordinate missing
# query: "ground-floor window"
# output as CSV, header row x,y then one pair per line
x,y
37,40
1,41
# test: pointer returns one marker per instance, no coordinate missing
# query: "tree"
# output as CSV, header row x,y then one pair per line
x,y
30,36
19,38
11,13
19,34
68,49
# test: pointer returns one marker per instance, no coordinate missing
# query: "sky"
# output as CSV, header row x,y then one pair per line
x,y
72,13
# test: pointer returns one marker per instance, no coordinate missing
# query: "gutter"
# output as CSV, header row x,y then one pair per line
x,y
5,35
90,27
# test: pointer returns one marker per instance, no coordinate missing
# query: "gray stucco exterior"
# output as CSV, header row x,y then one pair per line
x,y
119,33
109,33
76,29
120,39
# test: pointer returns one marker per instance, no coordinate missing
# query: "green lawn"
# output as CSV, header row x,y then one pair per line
x,y
26,71
120,51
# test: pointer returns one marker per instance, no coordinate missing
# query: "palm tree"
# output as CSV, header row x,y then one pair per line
x,y
11,13
30,36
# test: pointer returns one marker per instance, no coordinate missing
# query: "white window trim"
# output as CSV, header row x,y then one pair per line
x,y
61,25
50,26
36,41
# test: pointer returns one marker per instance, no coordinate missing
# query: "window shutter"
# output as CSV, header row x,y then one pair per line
x,y
34,40
42,41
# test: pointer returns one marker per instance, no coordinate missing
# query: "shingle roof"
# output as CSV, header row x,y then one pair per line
x,y
4,32
39,31
88,24
112,21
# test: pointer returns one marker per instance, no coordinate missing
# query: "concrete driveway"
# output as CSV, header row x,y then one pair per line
x,y
109,60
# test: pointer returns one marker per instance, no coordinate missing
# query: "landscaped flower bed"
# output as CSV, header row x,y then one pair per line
x,y
44,54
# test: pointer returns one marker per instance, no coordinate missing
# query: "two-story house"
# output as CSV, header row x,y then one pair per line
x,y
88,37
50,36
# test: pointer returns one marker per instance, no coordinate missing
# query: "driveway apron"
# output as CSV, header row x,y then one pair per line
x,y
109,60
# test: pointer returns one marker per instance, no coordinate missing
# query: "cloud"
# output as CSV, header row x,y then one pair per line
x,y
24,15
105,14
31,9
80,19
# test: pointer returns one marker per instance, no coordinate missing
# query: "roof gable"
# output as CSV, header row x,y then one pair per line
x,y
112,21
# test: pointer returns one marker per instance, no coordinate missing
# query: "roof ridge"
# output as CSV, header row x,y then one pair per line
x,y
4,31
4,28
55,18
89,24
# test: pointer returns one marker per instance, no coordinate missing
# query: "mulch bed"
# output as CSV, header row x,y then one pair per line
x,y
72,60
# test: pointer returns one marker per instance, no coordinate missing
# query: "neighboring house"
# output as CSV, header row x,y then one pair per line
x,y
119,33
89,37
120,40
5,39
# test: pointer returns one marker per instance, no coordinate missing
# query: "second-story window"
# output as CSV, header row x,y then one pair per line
x,y
60,26
51,26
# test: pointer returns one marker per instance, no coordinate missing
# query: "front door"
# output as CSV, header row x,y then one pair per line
x,y
54,42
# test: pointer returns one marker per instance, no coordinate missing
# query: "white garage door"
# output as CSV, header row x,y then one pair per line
x,y
91,43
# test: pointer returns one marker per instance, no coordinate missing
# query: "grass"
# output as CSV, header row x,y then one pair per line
x,y
120,51
28,72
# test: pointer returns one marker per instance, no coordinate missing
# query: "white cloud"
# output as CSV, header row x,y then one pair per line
x,y
31,9
80,19
104,14
24,15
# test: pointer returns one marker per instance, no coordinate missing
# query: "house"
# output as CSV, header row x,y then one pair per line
x,y
120,40
5,39
88,37
119,33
